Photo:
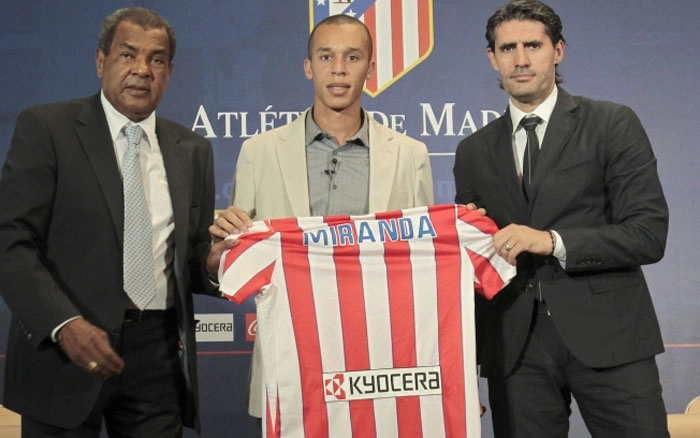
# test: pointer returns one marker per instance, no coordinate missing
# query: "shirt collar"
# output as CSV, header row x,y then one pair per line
x,y
543,111
313,131
117,120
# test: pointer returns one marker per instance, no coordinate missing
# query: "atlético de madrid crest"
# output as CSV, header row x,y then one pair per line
x,y
402,31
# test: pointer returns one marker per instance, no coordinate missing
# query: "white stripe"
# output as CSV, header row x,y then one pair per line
x,y
411,43
379,336
327,306
335,9
258,257
426,316
471,389
276,339
384,56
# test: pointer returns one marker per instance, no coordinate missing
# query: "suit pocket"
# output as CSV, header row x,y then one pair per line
x,y
578,171
611,282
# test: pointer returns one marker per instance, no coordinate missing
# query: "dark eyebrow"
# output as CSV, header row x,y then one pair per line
x,y
134,49
127,46
349,49
531,43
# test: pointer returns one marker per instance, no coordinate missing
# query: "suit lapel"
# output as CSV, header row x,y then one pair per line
x,y
500,147
382,166
291,159
179,185
93,132
559,131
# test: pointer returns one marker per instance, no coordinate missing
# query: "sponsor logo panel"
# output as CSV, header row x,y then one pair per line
x,y
214,327
384,383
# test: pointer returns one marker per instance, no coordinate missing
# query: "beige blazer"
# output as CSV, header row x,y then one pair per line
x,y
271,182
271,179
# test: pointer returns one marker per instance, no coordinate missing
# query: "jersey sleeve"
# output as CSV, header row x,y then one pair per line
x,y
491,271
247,267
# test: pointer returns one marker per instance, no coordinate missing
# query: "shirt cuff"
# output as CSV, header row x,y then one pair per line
x,y
559,249
54,332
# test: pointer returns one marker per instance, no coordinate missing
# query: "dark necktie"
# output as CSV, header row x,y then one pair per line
x,y
532,151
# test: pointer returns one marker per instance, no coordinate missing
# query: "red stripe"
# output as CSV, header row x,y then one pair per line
x,y
490,281
256,283
278,420
423,26
245,243
273,431
370,18
354,324
403,325
474,218
397,36
447,261
304,322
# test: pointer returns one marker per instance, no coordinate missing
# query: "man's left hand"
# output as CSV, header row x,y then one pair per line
x,y
515,239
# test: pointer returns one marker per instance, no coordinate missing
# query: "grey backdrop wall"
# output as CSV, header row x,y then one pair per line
x,y
238,72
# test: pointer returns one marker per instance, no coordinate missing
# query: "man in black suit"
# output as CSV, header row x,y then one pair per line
x,y
578,319
81,348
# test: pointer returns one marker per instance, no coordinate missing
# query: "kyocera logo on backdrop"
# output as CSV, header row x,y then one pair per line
x,y
214,327
402,33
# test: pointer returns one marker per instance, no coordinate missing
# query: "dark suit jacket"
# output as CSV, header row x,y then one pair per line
x,y
61,234
595,184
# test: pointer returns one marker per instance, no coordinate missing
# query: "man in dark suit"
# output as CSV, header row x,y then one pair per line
x,y
84,346
578,220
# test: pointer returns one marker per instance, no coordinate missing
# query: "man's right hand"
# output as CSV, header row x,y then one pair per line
x,y
88,347
233,220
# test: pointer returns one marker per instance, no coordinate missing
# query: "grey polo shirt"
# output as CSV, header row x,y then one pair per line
x,y
338,175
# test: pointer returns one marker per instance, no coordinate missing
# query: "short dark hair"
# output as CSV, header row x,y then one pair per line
x,y
340,19
522,10
143,17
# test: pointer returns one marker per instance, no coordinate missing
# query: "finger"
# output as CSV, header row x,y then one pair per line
x,y
240,221
472,206
500,242
507,248
109,360
88,347
512,255
215,252
229,223
217,233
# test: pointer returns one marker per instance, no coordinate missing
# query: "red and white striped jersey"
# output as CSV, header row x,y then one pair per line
x,y
366,323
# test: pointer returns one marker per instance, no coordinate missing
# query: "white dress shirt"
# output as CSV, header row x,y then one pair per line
x,y
519,140
157,196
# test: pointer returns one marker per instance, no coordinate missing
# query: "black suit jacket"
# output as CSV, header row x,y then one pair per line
x,y
596,184
61,234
